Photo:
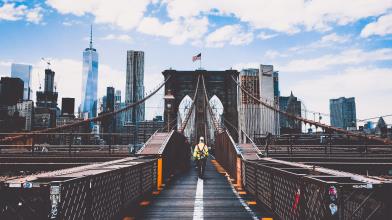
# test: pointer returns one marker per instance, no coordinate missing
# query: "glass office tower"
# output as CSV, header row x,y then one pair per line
x,y
23,72
90,80
343,113
134,85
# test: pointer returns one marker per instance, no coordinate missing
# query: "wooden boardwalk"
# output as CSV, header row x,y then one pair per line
x,y
188,197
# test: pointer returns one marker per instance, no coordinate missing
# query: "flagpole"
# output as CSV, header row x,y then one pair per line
x,y
200,63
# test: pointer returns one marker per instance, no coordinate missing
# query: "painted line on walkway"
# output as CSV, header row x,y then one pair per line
x,y
198,210
243,203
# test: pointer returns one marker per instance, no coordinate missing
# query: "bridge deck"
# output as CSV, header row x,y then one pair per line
x,y
187,197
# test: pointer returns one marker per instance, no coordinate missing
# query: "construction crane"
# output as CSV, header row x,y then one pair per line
x,y
47,61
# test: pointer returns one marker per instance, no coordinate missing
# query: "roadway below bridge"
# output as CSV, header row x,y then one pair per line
x,y
189,197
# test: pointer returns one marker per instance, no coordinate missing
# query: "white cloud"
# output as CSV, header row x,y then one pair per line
x,y
282,15
35,15
229,34
68,22
265,36
347,57
125,14
13,12
329,40
334,38
120,37
188,18
370,87
382,27
5,63
272,54
178,31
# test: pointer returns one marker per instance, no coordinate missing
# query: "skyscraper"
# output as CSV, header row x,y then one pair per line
x,y
120,118
48,98
134,87
109,99
11,91
268,89
46,112
343,113
117,97
291,105
275,76
25,109
249,109
90,80
68,106
23,72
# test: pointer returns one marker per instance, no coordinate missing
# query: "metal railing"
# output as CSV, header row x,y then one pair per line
x,y
97,191
300,193
226,153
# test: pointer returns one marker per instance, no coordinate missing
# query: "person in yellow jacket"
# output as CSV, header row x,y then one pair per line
x,y
200,154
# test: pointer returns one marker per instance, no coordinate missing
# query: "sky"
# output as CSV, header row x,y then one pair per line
x,y
322,49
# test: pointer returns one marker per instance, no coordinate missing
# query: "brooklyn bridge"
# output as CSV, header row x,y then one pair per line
x,y
330,174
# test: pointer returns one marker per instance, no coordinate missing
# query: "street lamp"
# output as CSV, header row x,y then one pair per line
x,y
169,98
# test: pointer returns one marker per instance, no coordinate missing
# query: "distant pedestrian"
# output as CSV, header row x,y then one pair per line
x,y
200,154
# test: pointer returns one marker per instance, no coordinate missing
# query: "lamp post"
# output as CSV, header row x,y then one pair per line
x,y
169,98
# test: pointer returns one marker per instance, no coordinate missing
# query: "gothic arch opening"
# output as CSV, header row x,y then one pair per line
x,y
183,110
217,108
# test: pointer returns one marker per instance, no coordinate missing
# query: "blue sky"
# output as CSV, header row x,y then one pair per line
x,y
322,49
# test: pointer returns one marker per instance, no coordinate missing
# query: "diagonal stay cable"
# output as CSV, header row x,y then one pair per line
x,y
86,121
215,122
311,122
188,115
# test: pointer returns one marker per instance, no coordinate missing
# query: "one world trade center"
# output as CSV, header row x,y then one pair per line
x,y
89,81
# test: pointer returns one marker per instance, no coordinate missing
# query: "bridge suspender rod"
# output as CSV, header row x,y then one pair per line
x,y
98,118
215,122
311,122
189,113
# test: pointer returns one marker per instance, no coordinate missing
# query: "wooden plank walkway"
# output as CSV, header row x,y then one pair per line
x,y
188,197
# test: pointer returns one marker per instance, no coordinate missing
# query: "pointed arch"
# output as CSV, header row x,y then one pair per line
x,y
216,105
184,106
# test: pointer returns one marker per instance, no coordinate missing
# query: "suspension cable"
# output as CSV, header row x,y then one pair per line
x,y
216,124
311,122
188,115
86,121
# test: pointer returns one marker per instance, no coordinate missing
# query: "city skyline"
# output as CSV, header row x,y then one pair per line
x,y
319,57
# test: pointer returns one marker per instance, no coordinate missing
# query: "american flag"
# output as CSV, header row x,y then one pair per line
x,y
197,57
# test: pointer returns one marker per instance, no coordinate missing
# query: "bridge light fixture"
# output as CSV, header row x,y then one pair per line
x,y
169,98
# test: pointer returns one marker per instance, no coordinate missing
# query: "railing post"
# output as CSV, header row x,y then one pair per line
x,y
366,146
32,145
330,143
323,142
70,143
291,147
267,150
341,203
159,174
110,143
302,201
141,179
272,191
239,173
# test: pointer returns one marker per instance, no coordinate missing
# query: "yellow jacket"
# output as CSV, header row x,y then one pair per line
x,y
201,151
